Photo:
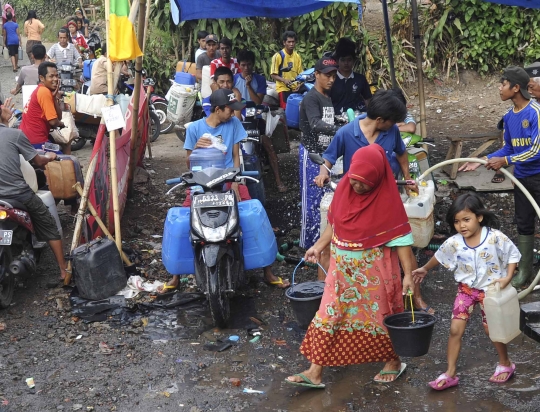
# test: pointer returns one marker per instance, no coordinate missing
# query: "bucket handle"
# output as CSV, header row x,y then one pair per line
x,y
297,266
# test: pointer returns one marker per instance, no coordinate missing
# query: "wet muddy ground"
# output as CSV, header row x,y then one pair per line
x,y
148,358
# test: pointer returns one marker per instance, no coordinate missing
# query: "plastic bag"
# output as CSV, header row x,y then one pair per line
x,y
68,133
216,142
271,124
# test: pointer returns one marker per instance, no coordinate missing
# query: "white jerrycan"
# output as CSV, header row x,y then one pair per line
x,y
502,312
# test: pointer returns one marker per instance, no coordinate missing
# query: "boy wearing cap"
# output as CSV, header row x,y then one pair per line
x,y
521,149
211,53
534,83
225,47
222,124
317,127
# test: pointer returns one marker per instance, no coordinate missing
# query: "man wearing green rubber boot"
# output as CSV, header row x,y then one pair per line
x,y
521,149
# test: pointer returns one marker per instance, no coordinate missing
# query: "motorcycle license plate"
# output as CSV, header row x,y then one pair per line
x,y
214,200
6,236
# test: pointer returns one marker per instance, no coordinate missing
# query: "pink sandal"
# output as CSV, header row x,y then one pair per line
x,y
449,382
499,370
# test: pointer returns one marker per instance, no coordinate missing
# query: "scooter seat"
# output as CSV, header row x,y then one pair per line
x,y
16,204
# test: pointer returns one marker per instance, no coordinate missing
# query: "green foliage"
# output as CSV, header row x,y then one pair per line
x,y
480,35
46,9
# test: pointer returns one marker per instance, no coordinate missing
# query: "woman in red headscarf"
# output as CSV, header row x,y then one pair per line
x,y
367,223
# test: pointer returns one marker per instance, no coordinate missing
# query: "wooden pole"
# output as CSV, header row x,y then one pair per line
x,y
419,71
78,188
80,213
135,142
112,136
146,20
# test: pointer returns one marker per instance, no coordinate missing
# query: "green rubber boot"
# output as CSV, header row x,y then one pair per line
x,y
525,246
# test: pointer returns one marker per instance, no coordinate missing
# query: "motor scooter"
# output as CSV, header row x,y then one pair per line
x,y
215,235
19,248
252,151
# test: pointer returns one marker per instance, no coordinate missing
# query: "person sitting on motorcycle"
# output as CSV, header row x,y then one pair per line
x,y
76,36
350,90
223,124
206,58
84,23
13,187
43,111
252,87
64,51
29,74
223,78
286,65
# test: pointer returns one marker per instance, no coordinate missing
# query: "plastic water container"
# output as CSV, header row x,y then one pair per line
x,y
29,174
292,112
205,82
47,198
419,210
324,206
177,252
502,313
87,68
259,241
203,158
185,78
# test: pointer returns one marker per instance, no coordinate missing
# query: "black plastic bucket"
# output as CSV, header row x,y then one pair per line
x,y
410,339
305,301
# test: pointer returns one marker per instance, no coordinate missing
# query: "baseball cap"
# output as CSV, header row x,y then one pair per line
x,y
78,11
326,65
225,97
533,70
211,37
518,76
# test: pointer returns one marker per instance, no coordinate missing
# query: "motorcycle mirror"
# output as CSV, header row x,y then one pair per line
x,y
316,158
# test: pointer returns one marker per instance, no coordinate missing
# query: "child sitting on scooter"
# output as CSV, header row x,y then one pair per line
x,y
479,255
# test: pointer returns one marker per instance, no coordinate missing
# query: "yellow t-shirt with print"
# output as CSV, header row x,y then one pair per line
x,y
277,64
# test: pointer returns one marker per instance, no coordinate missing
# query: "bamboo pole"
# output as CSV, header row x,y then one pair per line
x,y
135,142
146,20
112,136
78,188
80,213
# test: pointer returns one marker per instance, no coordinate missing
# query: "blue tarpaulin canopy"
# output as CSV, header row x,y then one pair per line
x,y
223,9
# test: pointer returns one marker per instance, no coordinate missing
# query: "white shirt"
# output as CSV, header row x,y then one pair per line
x,y
478,267
339,75
198,52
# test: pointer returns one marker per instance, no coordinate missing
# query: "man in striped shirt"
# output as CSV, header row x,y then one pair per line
x,y
64,51
521,149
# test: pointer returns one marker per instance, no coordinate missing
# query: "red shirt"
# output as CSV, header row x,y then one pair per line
x,y
233,65
36,115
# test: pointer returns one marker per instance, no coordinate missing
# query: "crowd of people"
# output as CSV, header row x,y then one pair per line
x,y
362,253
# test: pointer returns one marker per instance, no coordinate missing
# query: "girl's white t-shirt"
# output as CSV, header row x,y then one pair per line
x,y
478,266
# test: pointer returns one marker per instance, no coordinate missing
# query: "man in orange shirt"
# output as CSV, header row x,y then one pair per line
x,y
44,111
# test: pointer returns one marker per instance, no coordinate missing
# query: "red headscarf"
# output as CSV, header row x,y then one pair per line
x,y
364,221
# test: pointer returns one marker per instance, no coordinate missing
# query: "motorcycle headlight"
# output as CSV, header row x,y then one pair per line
x,y
231,224
214,234
196,224
250,112
65,67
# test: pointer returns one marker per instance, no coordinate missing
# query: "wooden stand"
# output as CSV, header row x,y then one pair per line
x,y
456,147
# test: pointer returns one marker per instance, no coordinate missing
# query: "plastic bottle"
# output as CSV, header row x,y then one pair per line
x,y
502,312
350,114
21,55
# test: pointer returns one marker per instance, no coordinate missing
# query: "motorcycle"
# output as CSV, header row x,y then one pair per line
x,y
417,155
157,105
19,248
252,151
215,235
68,80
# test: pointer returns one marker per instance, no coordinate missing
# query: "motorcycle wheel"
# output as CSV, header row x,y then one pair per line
x,y
8,284
78,143
160,108
217,285
154,126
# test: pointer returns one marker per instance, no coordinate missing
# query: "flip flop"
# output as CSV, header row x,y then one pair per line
x,y
500,369
426,310
397,373
498,178
277,283
449,382
307,383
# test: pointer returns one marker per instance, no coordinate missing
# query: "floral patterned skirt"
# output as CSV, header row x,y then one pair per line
x,y
362,288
